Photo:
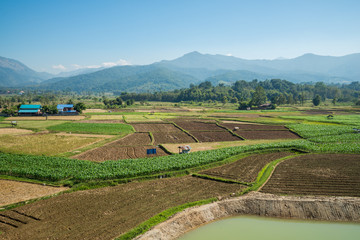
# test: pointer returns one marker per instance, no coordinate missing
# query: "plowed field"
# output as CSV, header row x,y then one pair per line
x,y
242,126
131,146
259,134
172,137
317,174
153,127
245,169
198,126
215,136
105,213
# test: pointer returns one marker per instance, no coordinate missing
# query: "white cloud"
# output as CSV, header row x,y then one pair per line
x,y
121,62
61,67
229,54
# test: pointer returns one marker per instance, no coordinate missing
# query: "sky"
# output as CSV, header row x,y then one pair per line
x,y
64,35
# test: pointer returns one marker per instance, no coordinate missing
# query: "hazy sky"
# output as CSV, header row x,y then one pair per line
x,y
55,35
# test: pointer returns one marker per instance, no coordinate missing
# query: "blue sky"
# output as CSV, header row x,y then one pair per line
x,y
53,36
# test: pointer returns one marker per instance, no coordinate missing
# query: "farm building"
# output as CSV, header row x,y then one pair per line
x,y
66,108
29,110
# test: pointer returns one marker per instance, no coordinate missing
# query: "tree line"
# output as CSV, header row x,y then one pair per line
x,y
255,92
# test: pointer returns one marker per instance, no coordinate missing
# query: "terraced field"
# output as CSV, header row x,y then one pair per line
x,y
317,174
245,169
221,136
105,213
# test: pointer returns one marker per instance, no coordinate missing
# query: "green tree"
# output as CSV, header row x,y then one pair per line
x,y
259,96
317,100
80,107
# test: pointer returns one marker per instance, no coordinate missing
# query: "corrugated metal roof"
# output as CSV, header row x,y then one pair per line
x,y
29,106
62,106
28,111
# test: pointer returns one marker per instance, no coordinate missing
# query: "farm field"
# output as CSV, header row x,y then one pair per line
x,y
44,144
195,147
13,191
220,136
63,118
271,134
317,174
245,169
131,146
155,127
193,125
43,151
108,212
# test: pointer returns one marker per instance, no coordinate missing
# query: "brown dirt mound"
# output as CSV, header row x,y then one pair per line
x,y
155,127
105,213
317,174
273,134
215,136
13,192
172,137
245,169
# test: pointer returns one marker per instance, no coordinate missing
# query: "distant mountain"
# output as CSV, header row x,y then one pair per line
x,y
123,78
306,68
15,74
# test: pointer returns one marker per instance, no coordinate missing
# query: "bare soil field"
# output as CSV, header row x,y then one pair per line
x,y
317,174
13,192
243,126
245,169
105,213
155,127
198,126
270,134
64,118
215,136
111,153
14,131
131,146
172,137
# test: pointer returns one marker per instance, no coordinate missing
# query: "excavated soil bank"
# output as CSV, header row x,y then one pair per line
x,y
258,204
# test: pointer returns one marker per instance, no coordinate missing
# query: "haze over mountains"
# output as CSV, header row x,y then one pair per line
x,y
192,68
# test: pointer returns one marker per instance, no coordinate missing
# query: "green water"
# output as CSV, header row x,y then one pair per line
x,y
257,228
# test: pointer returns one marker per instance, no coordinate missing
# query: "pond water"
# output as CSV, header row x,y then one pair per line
x,y
255,228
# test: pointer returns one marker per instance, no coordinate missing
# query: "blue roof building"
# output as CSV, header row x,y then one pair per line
x,y
68,108
29,109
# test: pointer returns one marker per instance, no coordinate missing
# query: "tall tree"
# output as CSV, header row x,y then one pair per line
x,y
259,96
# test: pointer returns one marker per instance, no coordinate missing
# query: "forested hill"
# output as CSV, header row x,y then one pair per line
x,y
123,78
276,91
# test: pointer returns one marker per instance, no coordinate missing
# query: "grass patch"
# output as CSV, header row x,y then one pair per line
x,y
265,173
42,144
38,125
94,128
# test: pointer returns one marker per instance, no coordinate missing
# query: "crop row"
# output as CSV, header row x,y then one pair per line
x,y
316,130
339,119
56,169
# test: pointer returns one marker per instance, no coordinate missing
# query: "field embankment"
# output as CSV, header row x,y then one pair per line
x,y
258,204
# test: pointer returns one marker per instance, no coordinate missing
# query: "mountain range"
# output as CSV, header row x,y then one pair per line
x,y
192,68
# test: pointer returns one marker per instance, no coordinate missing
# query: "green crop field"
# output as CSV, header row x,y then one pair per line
x,y
93,128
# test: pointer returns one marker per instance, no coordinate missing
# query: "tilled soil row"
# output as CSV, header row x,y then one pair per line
x,y
105,213
317,174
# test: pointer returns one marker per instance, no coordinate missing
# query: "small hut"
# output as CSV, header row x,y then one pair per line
x,y
29,110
